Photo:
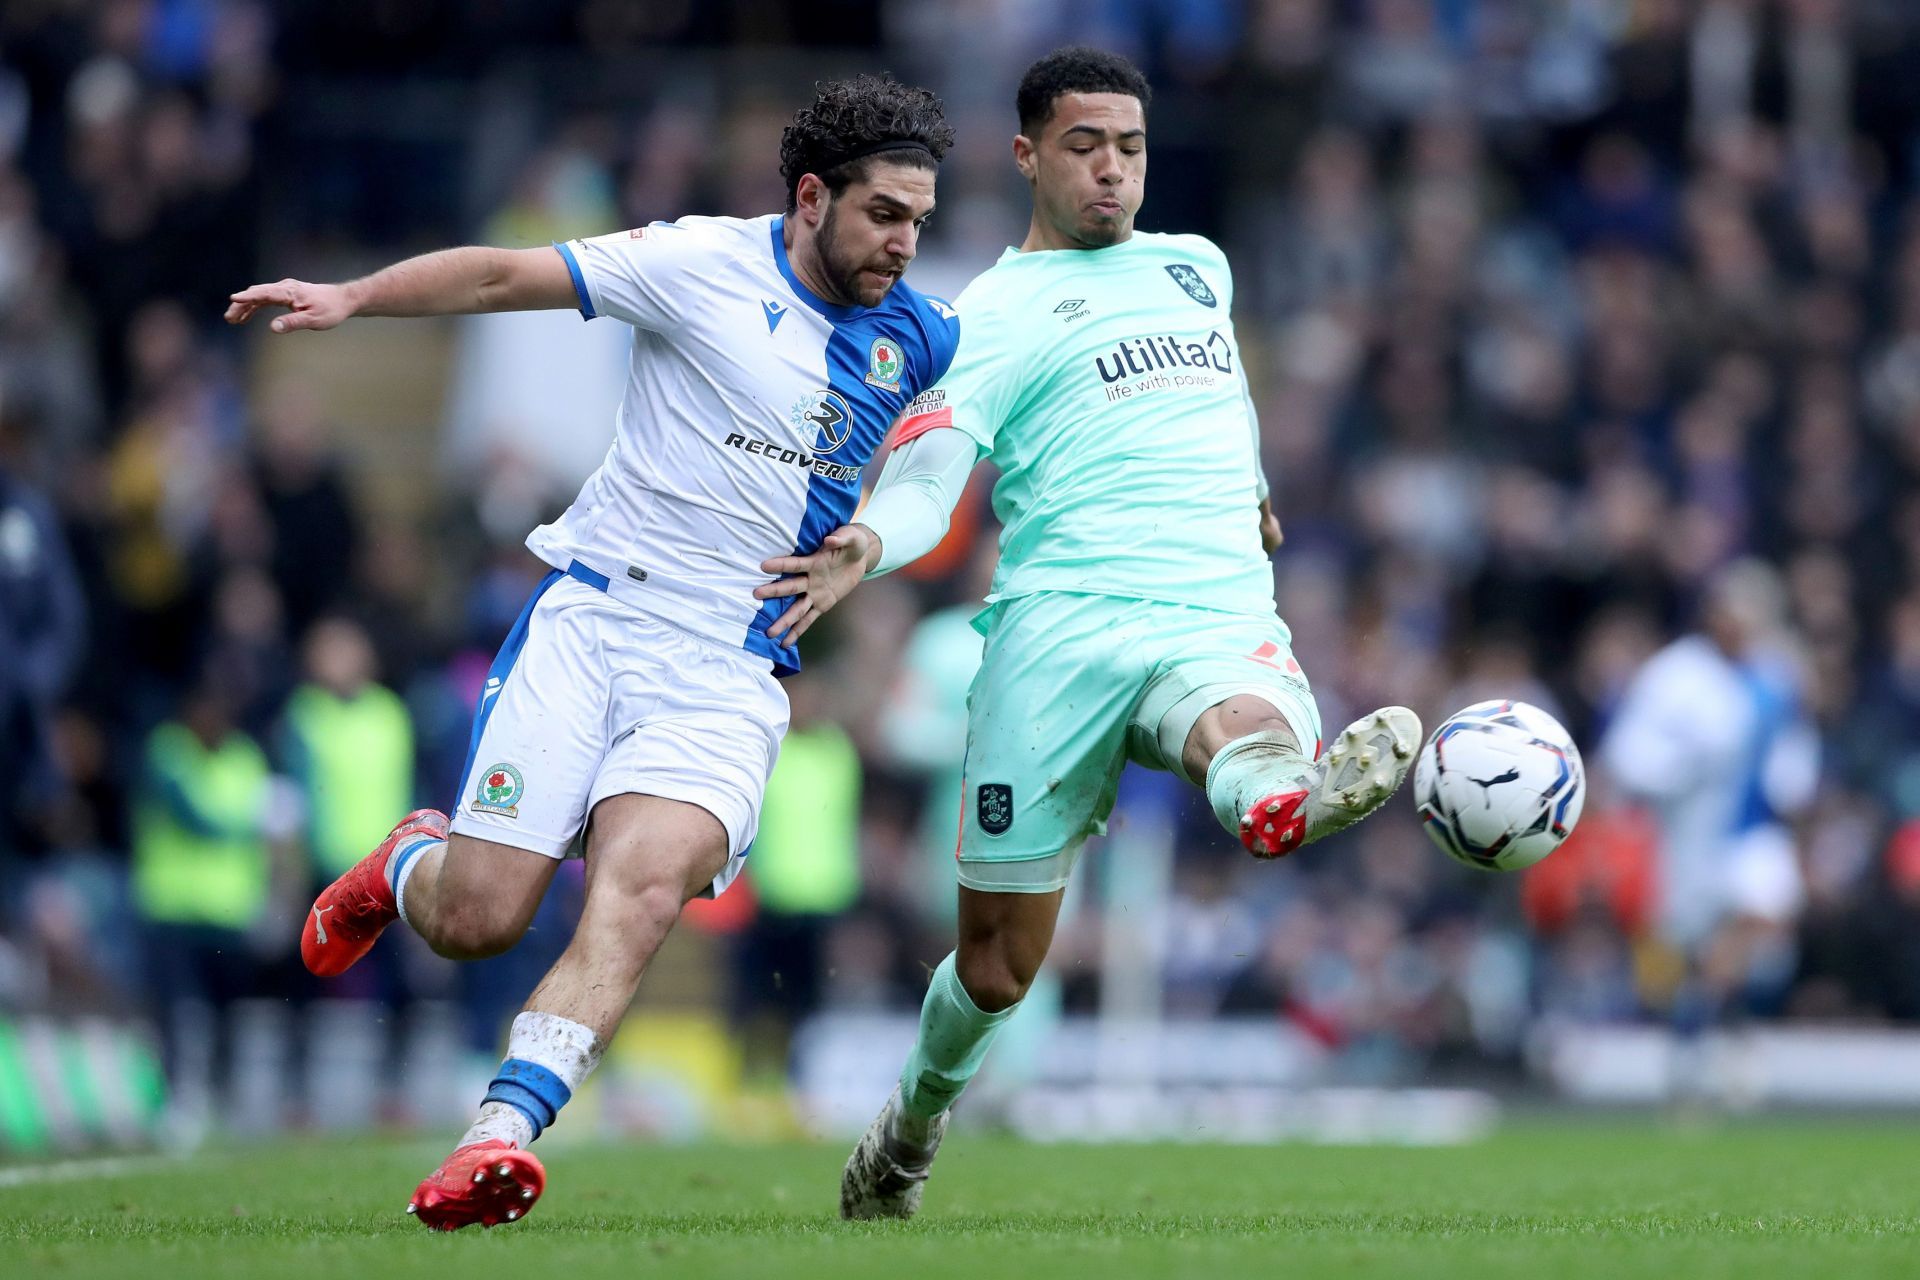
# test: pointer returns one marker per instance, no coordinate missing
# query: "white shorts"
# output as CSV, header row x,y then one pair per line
x,y
590,698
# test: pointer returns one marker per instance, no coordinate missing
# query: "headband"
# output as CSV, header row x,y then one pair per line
x,y
874,148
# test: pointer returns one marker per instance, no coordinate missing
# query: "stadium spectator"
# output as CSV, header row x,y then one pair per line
x,y
42,640
202,875
347,742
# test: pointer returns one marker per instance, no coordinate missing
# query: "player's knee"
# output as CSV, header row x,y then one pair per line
x,y
476,931
654,904
994,979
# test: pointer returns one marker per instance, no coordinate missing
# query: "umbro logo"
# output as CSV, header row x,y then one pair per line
x,y
1071,304
776,312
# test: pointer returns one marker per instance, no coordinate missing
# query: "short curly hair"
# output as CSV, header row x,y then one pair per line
x,y
847,117
1075,69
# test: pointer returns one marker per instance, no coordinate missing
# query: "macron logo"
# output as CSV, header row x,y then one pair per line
x,y
775,314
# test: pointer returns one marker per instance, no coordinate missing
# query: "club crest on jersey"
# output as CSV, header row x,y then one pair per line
x,y
996,807
1189,279
826,417
499,791
885,364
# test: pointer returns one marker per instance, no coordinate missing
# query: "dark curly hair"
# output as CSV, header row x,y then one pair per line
x,y
847,117
1075,69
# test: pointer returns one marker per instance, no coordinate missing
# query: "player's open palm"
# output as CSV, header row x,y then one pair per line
x,y
309,306
818,581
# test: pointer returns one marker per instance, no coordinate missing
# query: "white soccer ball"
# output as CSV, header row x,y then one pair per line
x,y
1499,785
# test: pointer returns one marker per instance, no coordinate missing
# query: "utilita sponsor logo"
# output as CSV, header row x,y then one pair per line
x,y
792,457
1137,357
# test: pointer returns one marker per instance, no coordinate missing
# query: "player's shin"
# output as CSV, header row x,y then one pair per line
x,y
547,1059
954,1037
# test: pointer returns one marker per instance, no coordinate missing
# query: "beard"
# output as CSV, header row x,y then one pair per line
x,y
1097,232
842,266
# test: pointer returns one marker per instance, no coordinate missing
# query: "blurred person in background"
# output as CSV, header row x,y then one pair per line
x,y
43,638
923,726
806,870
1711,735
303,493
634,702
347,742
203,866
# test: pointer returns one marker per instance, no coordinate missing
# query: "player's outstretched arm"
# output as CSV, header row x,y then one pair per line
x,y
906,517
460,281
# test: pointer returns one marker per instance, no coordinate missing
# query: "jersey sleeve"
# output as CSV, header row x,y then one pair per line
x,y
649,276
980,386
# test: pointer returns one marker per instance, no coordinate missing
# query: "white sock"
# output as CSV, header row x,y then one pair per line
x,y
499,1120
1248,769
401,866
548,1057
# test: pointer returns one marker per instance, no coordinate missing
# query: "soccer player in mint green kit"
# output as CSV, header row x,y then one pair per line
x,y
1132,615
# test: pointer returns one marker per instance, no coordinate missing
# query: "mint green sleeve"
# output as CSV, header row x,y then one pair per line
x,y
912,505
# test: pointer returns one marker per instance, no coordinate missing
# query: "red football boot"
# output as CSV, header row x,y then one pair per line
x,y
350,913
485,1182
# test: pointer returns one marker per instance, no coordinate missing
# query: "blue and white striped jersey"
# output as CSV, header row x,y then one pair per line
x,y
751,408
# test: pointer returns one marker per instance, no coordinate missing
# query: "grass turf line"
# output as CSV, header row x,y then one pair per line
x,y
1540,1201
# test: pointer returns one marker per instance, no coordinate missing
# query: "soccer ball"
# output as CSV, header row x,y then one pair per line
x,y
1499,785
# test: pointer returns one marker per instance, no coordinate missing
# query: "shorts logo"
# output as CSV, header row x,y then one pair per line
x,y
499,791
884,364
825,415
996,807
1268,653
1189,279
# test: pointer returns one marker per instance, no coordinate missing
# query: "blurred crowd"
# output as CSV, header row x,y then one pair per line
x,y
1587,348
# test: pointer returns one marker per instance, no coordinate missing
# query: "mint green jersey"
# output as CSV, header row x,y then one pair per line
x,y
1108,388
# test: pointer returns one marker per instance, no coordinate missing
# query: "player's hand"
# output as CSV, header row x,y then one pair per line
x,y
1270,535
818,581
309,306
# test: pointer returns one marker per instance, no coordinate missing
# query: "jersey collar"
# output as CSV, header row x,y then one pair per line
x,y
800,290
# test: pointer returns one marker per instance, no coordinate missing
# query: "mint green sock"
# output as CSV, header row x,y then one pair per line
x,y
954,1037
1251,767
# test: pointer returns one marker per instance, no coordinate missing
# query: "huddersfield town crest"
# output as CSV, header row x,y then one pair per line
x,y
996,807
1189,279
499,791
884,364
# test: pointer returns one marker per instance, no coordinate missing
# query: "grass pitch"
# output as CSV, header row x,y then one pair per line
x,y
1539,1201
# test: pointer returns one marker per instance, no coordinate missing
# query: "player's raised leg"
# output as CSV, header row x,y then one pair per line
x,y
646,856
1004,937
1275,795
469,898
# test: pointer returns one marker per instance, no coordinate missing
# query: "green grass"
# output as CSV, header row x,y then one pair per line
x,y
1540,1201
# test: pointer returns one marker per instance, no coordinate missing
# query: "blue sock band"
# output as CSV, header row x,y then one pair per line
x,y
407,853
530,1089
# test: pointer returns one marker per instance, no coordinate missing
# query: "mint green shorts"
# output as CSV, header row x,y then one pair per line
x,y
1070,688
